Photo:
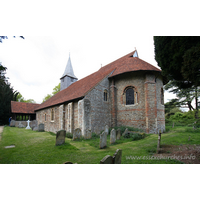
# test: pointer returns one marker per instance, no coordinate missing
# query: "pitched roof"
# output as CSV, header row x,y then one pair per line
x,y
22,107
80,88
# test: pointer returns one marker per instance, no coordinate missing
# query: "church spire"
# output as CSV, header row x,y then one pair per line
x,y
69,70
68,77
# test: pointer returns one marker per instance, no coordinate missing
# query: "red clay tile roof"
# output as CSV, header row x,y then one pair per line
x,y
21,107
129,63
80,88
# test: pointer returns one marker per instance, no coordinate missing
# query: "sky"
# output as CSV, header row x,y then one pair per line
x,y
94,33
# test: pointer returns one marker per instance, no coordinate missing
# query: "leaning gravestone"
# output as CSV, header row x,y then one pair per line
x,y
88,134
112,136
118,134
12,123
41,127
77,134
126,131
106,130
103,140
117,157
60,137
107,160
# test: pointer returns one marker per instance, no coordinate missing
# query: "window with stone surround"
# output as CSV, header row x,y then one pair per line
x,y
130,96
45,117
105,95
52,114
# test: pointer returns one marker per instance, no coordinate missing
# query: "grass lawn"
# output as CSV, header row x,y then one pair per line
x,y
39,147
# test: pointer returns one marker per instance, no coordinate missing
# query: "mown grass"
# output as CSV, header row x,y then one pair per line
x,y
39,147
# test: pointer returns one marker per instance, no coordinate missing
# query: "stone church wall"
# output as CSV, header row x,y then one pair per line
x,y
49,125
100,109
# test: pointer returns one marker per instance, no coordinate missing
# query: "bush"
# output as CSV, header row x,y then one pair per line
x,y
69,135
134,136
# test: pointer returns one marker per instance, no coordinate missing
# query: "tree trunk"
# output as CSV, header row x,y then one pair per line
x,y
196,103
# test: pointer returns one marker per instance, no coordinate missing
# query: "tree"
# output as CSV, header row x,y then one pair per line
x,y
185,96
20,98
6,95
179,60
56,89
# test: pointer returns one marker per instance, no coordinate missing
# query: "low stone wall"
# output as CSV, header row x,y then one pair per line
x,y
24,123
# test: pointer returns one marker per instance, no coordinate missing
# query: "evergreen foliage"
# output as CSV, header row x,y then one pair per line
x,y
7,94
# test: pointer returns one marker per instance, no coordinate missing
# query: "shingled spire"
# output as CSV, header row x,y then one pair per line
x,y
68,77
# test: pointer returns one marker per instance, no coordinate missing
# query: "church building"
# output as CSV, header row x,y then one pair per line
x,y
126,92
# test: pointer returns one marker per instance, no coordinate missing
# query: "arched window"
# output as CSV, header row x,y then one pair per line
x,y
52,114
105,95
130,96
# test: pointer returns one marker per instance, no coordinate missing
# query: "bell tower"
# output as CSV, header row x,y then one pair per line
x,y
68,77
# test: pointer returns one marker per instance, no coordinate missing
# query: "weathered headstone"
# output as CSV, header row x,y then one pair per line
x,y
103,140
126,131
107,160
41,127
77,134
88,134
12,123
117,157
118,134
60,137
106,130
112,136
34,124
28,127
21,125
35,128
158,145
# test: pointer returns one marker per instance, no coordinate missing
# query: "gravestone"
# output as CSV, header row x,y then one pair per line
x,y
35,128
118,134
12,123
34,124
112,136
41,127
60,137
126,131
106,130
88,134
21,125
117,157
103,140
28,127
107,160
77,134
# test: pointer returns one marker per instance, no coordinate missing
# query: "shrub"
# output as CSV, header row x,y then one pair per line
x,y
69,135
136,136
